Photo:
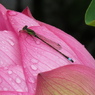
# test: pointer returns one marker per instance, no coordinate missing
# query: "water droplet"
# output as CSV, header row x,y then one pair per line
x,y
12,23
18,80
1,62
19,93
3,13
11,37
34,89
34,60
0,80
3,47
24,66
23,22
10,79
12,13
13,83
5,68
38,42
5,31
5,89
11,20
10,72
31,79
20,90
36,48
6,49
60,60
3,42
34,67
10,41
35,75
26,89
0,89
31,25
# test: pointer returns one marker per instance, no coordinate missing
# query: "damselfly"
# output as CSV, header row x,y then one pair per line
x,y
47,41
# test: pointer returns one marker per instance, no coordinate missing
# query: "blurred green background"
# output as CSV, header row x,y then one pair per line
x,y
68,15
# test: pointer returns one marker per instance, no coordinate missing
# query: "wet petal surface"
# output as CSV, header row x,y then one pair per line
x,y
11,71
19,20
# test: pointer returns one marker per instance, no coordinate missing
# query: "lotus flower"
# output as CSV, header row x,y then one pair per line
x,y
24,57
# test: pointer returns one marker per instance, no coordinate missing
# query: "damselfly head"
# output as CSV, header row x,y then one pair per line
x,y
25,27
29,31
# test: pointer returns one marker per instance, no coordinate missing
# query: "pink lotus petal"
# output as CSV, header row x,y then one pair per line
x,y
67,80
12,79
11,71
20,65
82,54
14,93
9,49
19,20
2,18
2,9
38,57
27,12
4,24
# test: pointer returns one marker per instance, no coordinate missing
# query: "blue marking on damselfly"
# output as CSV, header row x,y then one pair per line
x,y
50,43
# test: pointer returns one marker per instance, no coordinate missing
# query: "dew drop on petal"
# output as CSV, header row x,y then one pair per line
x,y
31,79
10,79
1,62
12,23
26,89
18,80
34,67
10,42
5,68
60,60
35,74
23,22
38,42
34,89
10,72
1,80
3,42
0,89
12,83
19,93
5,31
5,89
3,13
11,37
12,13
34,60
20,90
36,48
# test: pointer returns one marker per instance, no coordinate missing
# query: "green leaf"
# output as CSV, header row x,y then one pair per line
x,y
90,14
